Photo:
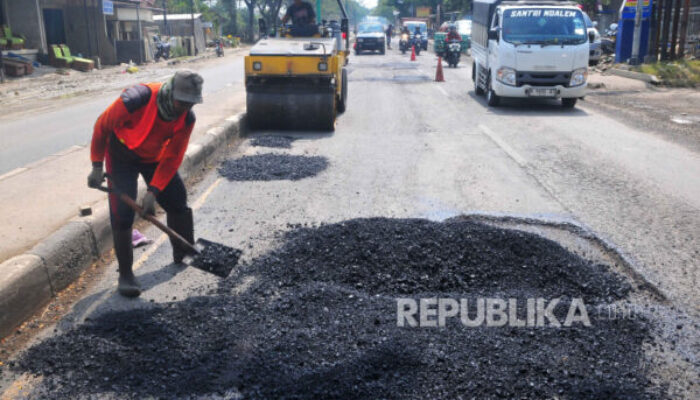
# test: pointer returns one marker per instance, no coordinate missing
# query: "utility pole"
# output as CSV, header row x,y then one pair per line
x,y
637,38
684,28
318,11
194,34
165,18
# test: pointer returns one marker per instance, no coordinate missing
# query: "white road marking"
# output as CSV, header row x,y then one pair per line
x,y
504,146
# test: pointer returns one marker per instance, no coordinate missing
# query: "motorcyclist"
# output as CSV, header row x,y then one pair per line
x,y
452,34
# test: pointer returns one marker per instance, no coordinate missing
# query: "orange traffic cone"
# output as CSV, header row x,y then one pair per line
x,y
413,53
438,74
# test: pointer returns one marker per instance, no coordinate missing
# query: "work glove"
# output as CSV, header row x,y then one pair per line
x,y
148,204
96,177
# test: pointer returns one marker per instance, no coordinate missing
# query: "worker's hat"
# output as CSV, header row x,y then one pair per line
x,y
187,86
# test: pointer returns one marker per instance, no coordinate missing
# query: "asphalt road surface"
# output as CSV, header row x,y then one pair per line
x,y
406,147
26,139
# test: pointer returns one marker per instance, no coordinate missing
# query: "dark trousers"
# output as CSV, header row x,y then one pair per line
x,y
125,176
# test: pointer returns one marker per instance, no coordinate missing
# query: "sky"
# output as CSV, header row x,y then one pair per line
x,y
368,3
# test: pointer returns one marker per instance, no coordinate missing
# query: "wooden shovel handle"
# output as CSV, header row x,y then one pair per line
x,y
151,218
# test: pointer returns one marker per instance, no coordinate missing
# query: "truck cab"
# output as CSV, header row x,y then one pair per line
x,y
529,49
422,27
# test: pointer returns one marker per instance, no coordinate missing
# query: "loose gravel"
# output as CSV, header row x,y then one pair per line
x,y
216,258
272,167
282,142
316,318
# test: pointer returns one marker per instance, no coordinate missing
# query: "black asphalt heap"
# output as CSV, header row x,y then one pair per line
x,y
319,321
272,167
216,258
282,142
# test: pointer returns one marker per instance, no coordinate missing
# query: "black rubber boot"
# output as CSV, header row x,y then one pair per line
x,y
183,224
128,286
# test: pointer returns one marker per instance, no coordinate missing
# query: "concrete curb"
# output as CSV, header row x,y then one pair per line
x,y
635,75
28,281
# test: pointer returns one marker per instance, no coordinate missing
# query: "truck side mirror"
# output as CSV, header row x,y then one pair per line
x,y
262,27
493,34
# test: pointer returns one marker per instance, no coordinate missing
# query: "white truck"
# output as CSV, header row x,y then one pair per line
x,y
529,48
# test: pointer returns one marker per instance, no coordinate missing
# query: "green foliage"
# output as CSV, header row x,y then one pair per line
x,y
682,73
385,8
178,51
331,11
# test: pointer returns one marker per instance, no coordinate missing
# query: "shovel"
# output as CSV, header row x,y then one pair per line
x,y
211,257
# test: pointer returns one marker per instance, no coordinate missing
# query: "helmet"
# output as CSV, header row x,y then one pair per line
x,y
453,28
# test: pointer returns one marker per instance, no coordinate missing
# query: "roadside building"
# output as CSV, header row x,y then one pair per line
x,y
186,26
106,31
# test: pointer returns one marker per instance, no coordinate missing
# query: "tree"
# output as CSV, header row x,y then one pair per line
x,y
250,34
270,10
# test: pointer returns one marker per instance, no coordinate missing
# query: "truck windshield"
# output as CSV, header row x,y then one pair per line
x,y
412,27
543,26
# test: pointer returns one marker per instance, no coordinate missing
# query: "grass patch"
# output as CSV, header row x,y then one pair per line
x,y
683,73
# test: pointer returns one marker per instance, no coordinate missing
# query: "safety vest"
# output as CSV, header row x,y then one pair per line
x,y
135,129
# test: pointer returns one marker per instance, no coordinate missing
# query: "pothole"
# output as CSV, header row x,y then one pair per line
x,y
271,167
283,142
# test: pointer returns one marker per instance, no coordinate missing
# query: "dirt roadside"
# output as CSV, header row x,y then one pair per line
x,y
49,85
670,112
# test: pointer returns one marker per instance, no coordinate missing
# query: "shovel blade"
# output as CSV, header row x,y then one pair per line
x,y
214,258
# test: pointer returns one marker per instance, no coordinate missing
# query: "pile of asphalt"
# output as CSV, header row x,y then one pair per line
x,y
282,142
316,318
216,258
272,167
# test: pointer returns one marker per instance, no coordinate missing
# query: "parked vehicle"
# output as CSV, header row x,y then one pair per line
x,y
594,41
529,49
454,49
403,42
370,37
608,42
162,49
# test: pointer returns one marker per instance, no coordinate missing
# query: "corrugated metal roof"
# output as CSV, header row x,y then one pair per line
x,y
176,17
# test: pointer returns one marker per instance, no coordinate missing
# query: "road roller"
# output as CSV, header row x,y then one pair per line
x,y
298,82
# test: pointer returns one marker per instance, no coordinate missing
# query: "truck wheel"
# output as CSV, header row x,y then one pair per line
x,y
382,50
343,92
491,97
569,102
477,89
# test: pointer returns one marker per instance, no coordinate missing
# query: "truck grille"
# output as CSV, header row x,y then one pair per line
x,y
544,78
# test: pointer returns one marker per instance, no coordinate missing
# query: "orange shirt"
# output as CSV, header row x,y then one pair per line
x,y
148,136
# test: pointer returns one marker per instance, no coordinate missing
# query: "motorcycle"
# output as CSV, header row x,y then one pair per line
x,y
416,43
219,47
452,53
162,49
609,39
403,43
